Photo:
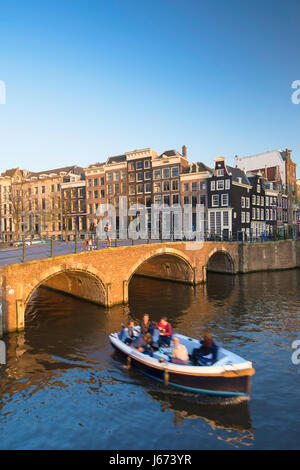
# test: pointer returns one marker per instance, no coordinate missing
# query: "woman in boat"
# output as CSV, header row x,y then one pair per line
x,y
146,325
207,344
165,332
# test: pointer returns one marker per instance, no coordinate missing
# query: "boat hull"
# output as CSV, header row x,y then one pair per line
x,y
226,384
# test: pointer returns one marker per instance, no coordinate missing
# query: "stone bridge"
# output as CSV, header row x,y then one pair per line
x,y
103,276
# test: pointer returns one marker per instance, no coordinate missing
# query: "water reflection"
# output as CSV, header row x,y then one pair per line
x,y
64,387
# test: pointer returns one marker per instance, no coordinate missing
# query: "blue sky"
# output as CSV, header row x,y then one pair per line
x,y
89,79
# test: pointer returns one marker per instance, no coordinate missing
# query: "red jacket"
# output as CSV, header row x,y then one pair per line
x,y
167,329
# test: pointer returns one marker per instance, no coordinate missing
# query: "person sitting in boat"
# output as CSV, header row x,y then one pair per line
x,y
146,325
129,333
165,332
179,352
143,344
207,345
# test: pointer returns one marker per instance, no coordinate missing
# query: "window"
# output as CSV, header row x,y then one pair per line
x,y
243,217
166,185
166,200
131,189
147,164
261,201
96,194
257,214
258,188
267,200
102,181
157,187
224,199
227,184
220,184
215,200
140,188
109,189
52,189
267,214
117,188
262,214
202,185
43,189
36,190
166,173
186,200
225,219
253,199
116,176
243,202
176,199
175,185
139,176
248,202
248,217
147,175
186,187
212,185
148,188
43,203
102,193
95,181
220,172
212,222
194,201
258,200
139,165
132,177
175,171
157,174
108,176
194,186
202,200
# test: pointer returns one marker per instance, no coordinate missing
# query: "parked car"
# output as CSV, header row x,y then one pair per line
x,y
38,241
20,243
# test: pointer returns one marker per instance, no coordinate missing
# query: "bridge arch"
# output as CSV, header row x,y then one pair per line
x,y
167,264
78,282
221,261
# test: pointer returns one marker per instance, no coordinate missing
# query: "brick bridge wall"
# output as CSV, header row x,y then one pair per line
x,y
103,276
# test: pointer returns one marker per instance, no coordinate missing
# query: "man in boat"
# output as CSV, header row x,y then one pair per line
x,y
143,344
165,332
179,352
129,333
207,345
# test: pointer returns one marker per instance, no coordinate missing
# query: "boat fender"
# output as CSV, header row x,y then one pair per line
x,y
166,377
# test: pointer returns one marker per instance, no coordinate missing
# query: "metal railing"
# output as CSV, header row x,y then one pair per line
x,y
52,247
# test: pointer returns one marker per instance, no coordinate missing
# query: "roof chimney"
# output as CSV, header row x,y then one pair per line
x,y
184,151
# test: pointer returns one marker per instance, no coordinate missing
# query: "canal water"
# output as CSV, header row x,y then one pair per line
x,y
63,386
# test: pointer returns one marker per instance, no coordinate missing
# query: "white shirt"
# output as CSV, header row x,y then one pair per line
x,y
180,352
